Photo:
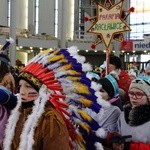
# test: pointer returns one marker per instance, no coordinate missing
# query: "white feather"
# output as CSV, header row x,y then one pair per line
x,y
101,133
98,146
80,59
11,40
101,101
72,50
95,86
86,67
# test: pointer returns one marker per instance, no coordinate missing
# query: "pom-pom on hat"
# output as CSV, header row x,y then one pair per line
x,y
142,83
114,60
110,85
62,73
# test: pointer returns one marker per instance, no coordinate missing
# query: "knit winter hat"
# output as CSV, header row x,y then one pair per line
x,y
4,58
142,83
114,60
110,85
7,99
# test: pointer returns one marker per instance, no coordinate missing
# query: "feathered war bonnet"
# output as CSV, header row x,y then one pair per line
x,y
62,71
4,58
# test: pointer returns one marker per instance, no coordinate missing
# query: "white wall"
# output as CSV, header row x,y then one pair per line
x,y
46,17
22,14
3,12
31,16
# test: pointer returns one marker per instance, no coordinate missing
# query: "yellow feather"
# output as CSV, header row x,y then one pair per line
x,y
73,78
81,88
55,58
85,127
86,102
65,67
55,52
73,72
62,61
45,52
84,115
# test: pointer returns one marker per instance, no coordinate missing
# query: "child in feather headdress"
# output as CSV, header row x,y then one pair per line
x,y
53,89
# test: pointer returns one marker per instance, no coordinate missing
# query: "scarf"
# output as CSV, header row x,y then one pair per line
x,y
137,115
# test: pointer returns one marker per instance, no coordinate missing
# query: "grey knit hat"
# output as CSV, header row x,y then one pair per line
x,y
142,83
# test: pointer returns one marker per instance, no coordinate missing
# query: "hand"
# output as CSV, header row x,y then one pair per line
x,y
117,146
8,82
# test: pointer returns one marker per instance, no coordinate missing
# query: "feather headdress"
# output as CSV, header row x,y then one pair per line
x,y
70,91
6,45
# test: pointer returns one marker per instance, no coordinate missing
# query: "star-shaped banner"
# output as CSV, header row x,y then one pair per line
x,y
108,23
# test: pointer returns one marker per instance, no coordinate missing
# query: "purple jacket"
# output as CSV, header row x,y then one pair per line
x,y
4,114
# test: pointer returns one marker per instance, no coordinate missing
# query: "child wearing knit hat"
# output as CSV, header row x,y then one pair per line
x,y
135,120
111,110
109,90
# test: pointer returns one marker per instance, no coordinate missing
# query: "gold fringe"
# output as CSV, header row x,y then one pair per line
x,y
59,124
80,141
43,127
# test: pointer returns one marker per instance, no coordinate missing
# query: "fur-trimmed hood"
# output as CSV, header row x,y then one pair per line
x,y
138,115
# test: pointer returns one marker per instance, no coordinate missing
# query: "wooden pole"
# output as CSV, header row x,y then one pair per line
x,y
107,61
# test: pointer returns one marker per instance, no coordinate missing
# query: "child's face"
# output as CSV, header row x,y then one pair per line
x,y
104,94
27,92
111,67
147,72
137,97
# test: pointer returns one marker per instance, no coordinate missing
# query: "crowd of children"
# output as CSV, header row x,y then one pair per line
x,y
62,104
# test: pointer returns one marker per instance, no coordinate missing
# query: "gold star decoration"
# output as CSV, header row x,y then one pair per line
x,y
109,23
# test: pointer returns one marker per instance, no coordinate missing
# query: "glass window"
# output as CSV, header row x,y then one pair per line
x,y
8,17
139,20
56,18
37,17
